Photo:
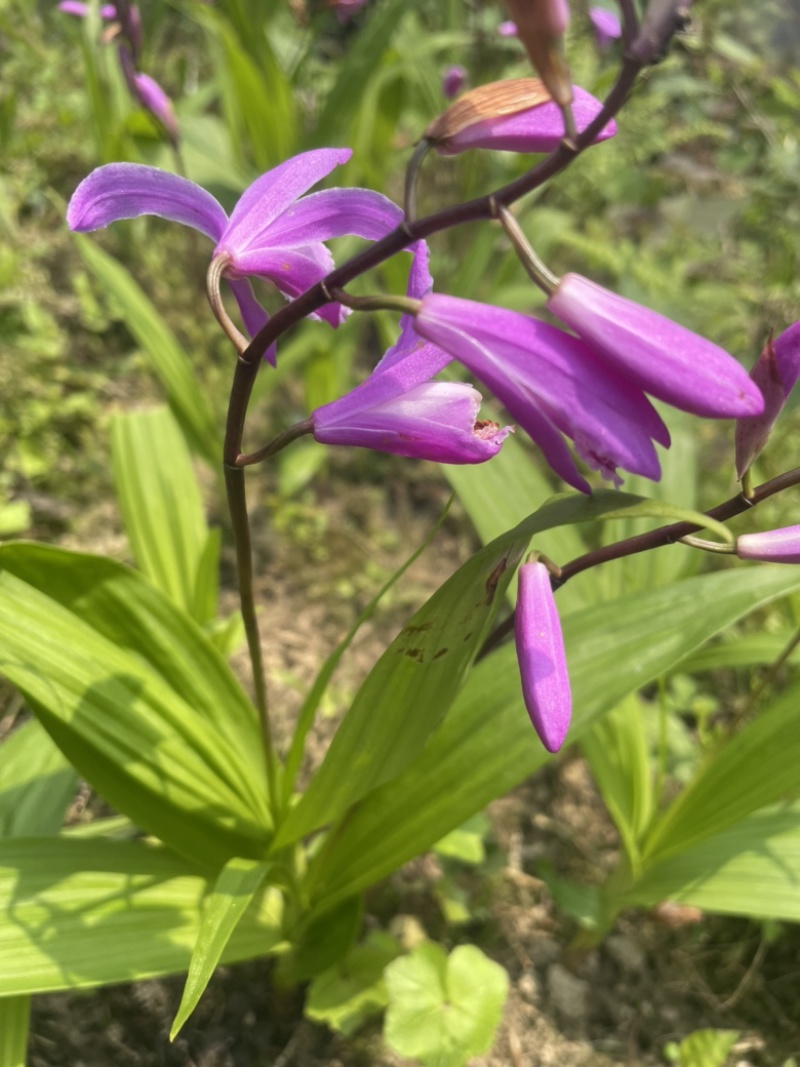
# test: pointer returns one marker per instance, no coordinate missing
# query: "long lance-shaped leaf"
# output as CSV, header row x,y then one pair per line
x,y
486,746
128,732
14,1016
36,783
122,607
237,884
750,868
80,913
756,768
162,507
408,692
167,359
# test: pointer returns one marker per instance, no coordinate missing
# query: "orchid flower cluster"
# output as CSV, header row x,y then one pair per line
x,y
582,390
125,26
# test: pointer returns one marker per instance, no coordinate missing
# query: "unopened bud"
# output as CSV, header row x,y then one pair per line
x,y
517,115
541,25
775,373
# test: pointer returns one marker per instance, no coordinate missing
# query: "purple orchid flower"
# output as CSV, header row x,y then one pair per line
x,y
81,10
771,546
534,129
551,384
775,373
659,356
345,9
606,26
507,29
541,657
453,81
399,410
270,233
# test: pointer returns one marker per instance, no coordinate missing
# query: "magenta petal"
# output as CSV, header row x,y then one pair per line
x,y
153,98
253,314
507,29
665,359
274,193
435,421
606,26
772,546
775,373
128,190
336,213
541,657
546,379
537,129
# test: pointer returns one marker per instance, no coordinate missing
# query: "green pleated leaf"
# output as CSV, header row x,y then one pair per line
x,y
14,1017
140,741
86,913
486,745
750,868
163,510
616,749
409,690
756,768
237,884
36,783
741,652
167,359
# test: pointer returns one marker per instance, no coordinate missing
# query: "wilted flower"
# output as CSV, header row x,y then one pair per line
x,y
606,26
772,546
659,356
516,115
775,373
541,657
541,25
551,384
270,233
398,409
453,81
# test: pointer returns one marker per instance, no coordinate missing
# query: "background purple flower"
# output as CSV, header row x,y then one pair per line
x,y
775,373
453,81
606,26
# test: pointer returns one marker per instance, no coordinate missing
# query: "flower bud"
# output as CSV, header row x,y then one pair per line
x,y
664,359
453,81
541,25
541,657
516,115
775,373
772,546
606,26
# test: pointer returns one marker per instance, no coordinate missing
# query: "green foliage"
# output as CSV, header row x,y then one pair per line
x,y
443,1009
703,1048
353,990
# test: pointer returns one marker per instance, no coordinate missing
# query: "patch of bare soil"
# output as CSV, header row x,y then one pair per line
x,y
619,1003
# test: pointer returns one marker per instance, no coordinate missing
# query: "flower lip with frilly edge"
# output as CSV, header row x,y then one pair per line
x,y
541,657
664,359
270,234
771,546
398,409
551,384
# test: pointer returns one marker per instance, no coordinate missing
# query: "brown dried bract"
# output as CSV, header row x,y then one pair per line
x,y
487,102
